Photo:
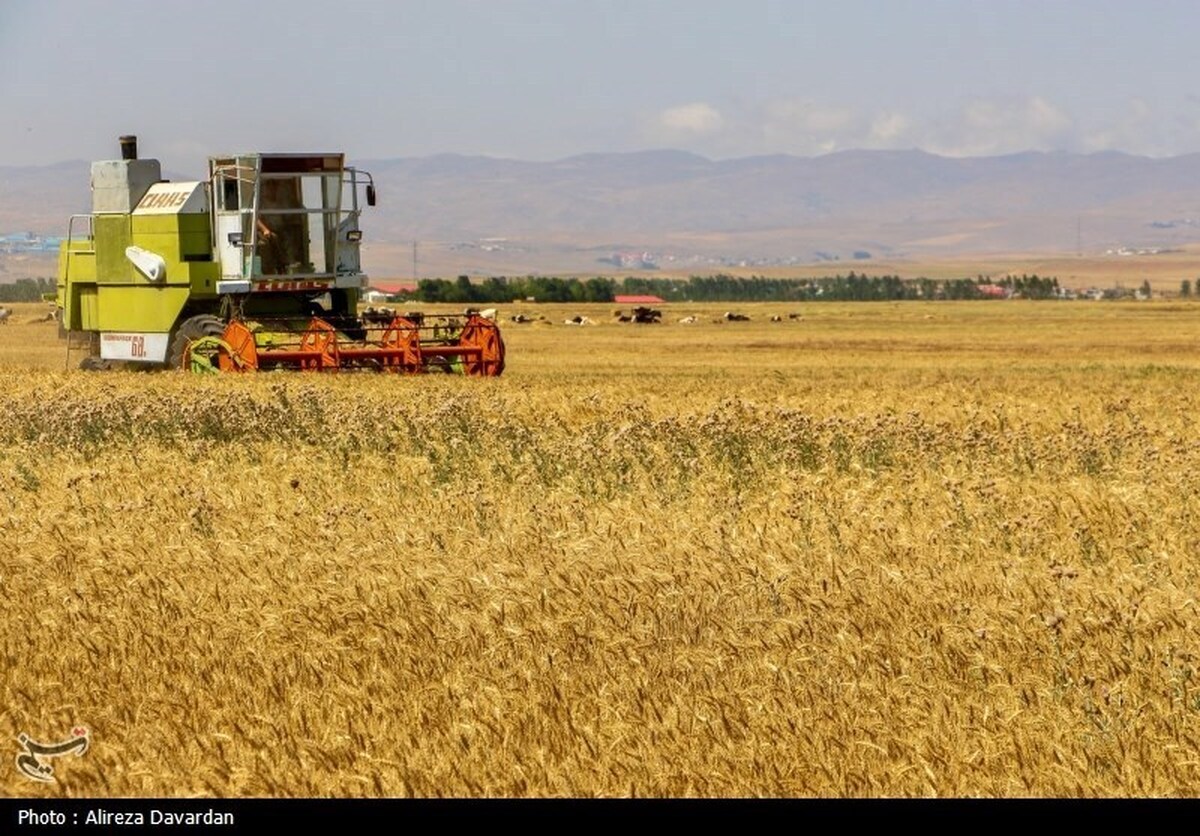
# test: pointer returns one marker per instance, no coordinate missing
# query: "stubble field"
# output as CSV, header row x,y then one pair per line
x,y
886,549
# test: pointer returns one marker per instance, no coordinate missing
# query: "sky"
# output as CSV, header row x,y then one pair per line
x,y
542,80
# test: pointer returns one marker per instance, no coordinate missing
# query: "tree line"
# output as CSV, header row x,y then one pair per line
x,y
854,287
503,289
26,290
725,288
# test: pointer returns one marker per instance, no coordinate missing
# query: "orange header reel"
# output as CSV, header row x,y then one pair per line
x,y
411,344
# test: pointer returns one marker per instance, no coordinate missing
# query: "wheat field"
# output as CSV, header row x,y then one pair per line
x,y
944,549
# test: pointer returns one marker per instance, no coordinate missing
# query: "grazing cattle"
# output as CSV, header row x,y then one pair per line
x,y
646,316
689,320
776,318
378,316
488,313
730,316
4,314
793,316
520,318
578,320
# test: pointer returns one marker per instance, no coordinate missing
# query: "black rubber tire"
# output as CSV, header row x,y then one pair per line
x,y
192,328
94,364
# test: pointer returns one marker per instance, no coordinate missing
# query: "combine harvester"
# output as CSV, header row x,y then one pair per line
x,y
256,268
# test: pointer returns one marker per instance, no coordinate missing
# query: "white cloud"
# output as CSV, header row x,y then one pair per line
x,y
698,118
1001,126
1047,118
888,128
978,127
805,127
1128,130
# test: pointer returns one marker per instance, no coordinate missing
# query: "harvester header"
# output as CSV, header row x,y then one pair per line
x,y
255,267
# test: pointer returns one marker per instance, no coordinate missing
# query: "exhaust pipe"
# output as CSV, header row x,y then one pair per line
x,y
128,147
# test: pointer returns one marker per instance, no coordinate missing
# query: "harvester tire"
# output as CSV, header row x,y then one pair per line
x,y
94,364
190,330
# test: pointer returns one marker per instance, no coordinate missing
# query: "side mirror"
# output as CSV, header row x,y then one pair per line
x,y
370,194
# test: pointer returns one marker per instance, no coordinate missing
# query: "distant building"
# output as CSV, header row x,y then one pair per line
x,y
394,288
993,291
637,261
638,300
28,242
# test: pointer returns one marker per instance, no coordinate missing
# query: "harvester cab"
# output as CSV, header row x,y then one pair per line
x,y
283,220
257,267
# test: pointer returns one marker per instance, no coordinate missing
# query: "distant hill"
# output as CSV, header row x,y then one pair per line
x,y
674,209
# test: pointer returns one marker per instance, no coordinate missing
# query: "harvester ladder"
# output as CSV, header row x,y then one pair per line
x,y
91,236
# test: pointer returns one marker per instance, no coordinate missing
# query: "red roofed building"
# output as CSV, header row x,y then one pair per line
x,y
394,288
992,291
637,300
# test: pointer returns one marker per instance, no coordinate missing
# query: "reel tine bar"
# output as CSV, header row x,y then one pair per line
x,y
407,344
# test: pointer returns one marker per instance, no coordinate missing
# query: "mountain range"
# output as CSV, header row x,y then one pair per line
x,y
676,210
